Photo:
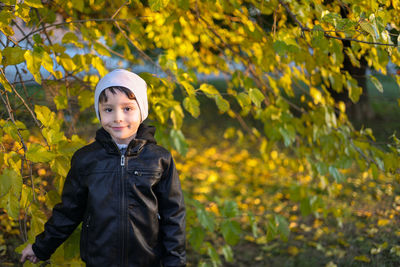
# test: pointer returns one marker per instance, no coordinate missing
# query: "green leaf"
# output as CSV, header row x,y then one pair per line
x,y
280,47
363,258
34,3
71,250
318,38
243,99
283,226
99,65
85,99
288,133
9,2
331,18
179,142
192,105
67,62
184,4
4,82
253,224
38,220
272,229
377,83
61,102
52,198
196,237
231,232
10,202
156,5
375,171
206,219
209,90
368,27
354,61
72,38
354,90
26,197
33,63
78,5
101,49
7,179
338,176
205,264
189,88
37,153
177,116
230,209
61,166
214,256
305,207
53,135
13,55
336,82
228,253
12,129
222,104
45,115
256,96
48,64
22,11
346,25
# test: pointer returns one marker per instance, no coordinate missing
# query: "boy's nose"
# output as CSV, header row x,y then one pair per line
x,y
118,116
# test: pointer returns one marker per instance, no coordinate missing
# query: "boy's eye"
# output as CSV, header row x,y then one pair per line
x,y
128,108
107,109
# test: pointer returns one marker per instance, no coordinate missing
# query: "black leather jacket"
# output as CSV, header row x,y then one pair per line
x,y
131,206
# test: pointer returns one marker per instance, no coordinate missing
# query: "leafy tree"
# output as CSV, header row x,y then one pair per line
x,y
280,59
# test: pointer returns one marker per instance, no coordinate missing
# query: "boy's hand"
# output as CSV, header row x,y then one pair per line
x,y
28,254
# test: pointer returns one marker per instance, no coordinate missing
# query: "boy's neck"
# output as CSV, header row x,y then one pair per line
x,y
124,143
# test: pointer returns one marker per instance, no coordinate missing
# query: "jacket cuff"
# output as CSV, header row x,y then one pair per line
x,y
39,254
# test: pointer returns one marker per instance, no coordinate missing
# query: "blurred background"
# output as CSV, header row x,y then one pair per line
x,y
282,117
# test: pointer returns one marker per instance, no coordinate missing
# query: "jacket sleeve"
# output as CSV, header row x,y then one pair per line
x,y
172,221
66,215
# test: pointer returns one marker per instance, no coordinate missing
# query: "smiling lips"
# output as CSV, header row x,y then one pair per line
x,y
119,128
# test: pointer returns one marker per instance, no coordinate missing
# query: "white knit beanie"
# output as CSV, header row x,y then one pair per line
x,y
129,80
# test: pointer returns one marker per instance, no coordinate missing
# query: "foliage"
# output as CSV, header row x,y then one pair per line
x,y
281,61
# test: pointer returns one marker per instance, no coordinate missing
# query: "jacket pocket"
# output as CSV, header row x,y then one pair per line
x,y
146,177
143,172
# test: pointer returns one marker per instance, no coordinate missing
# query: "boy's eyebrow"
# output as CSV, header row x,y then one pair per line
x,y
122,104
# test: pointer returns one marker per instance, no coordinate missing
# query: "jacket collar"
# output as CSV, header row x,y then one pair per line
x,y
144,135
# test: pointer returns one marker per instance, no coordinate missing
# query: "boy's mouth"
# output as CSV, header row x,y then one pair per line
x,y
118,128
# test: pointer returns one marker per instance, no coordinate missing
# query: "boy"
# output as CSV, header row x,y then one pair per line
x,y
123,188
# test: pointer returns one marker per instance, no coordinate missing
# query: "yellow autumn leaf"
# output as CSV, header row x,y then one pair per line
x,y
383,222
316,95
362,258
292,250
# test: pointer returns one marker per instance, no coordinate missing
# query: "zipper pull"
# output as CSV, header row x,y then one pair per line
x,y
88,221
122,160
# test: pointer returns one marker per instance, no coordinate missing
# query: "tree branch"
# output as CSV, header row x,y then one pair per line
x,y
70,22
146,57
119,9
306,29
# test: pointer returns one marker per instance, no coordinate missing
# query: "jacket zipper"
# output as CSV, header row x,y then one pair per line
x,y
124,215
122,160
87,224
88,221
144,172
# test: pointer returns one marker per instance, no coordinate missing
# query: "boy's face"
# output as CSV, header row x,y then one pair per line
x,y
120,116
